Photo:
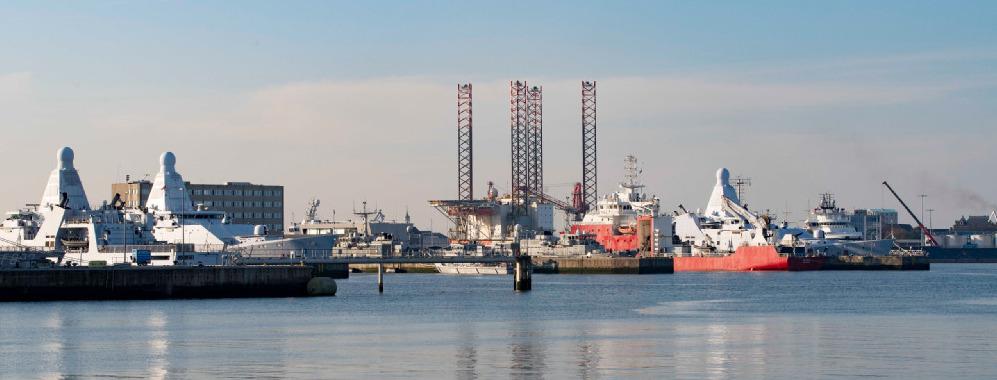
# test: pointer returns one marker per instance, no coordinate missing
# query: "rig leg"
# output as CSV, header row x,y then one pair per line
x,y
380,278
523,274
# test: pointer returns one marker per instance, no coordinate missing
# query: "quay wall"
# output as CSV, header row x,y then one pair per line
x,y
877,263
154,282
603,265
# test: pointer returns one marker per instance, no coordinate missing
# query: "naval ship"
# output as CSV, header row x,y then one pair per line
x,y
170,230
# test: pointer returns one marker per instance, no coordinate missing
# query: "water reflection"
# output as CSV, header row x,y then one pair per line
x,y
158,344
587,349
528,350
51,344
467,352
70,334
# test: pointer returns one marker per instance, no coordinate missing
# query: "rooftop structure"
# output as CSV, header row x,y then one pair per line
x,y
64,188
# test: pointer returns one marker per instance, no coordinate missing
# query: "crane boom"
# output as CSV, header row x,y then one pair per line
x,y
931,238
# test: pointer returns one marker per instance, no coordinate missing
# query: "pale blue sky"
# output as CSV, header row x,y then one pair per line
x,y
805,97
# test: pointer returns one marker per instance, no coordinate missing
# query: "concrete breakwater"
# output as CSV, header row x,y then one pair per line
x,y
603,265
877,263
161,282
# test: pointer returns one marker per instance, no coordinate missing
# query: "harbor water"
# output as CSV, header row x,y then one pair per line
x,y
919,324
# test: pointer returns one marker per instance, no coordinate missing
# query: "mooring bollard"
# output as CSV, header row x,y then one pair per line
x,y
380,278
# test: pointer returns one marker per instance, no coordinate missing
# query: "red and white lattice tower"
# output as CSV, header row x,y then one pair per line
x,y
465,163
590,192
535,121
520,146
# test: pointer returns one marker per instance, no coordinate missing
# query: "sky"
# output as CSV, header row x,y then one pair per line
x,y
353,101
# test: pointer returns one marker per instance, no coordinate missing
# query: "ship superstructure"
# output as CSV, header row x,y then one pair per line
x,y
725,225
726,236
628,220
170,231
831,222
829,231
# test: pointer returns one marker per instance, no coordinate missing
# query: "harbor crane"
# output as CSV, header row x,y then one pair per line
x,y
925,230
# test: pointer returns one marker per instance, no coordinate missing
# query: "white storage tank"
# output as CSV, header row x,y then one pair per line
x,y
982,241
956,241
948,241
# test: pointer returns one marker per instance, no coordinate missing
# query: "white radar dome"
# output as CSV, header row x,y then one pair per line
x,y
723,176
65,157
168,161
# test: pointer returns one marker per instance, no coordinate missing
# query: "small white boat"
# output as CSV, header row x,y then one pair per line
x,y
474,269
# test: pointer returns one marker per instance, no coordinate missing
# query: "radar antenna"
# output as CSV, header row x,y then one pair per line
x,y
312,212
631,171
365,215
742,184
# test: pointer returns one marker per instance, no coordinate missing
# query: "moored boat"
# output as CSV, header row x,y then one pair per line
x,y
474,269
729,237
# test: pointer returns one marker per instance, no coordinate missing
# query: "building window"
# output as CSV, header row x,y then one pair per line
x,y
267,204
277,204
278,192
238,193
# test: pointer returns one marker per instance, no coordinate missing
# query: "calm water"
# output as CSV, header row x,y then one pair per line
x,y
941,323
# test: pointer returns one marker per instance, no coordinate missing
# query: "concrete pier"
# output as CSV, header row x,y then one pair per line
x,y
603,265
877,263
154,282
330,270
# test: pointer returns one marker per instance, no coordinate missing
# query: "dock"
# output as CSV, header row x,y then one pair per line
x,y
603,265
132,282
892,262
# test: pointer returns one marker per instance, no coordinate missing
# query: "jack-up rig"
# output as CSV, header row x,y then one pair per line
x,y
526,210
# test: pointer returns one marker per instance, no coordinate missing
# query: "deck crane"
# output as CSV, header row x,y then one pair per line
x,y
575,209
927,232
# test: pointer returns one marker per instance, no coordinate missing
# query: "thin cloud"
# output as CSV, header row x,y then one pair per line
x,y
14,85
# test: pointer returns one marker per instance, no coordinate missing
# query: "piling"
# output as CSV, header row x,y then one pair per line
x,y
380,278
523,274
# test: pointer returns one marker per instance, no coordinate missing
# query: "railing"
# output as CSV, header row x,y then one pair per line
x,y
150,247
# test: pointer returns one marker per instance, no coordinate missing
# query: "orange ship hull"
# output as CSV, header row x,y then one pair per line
x,y
746,259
